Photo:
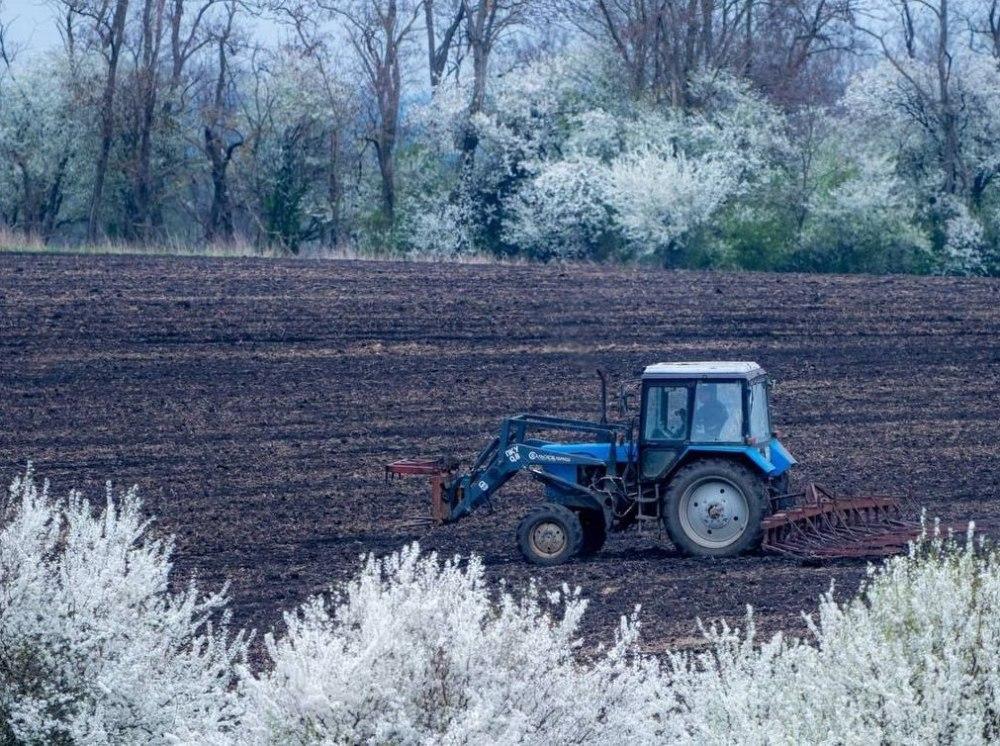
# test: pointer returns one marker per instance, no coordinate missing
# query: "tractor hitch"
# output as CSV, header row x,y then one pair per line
x,y
440,472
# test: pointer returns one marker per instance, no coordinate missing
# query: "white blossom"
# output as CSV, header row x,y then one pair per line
x,y
419,651
94,648
564,211
660,198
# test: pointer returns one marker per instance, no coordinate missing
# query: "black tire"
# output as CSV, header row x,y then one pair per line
x,y
714,508
549,535
594,532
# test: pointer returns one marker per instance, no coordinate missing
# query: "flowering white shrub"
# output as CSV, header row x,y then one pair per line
x,y
418,651
897,110
660,198
441,230
889,106
915,658
414,650
563,211
866,223
965,243
94,648
45,142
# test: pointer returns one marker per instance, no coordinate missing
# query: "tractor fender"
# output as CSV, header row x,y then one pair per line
x,y
578,500
745,455
574,495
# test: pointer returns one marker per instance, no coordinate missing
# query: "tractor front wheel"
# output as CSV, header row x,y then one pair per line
x,y
714,508
550,534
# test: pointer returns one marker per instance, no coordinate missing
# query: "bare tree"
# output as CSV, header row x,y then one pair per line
x,y
800,49
663,43
438,50
7,50
379,32
986,27
145,90
221,138
322,56
107,19
933,97
169,35
186,37
486,22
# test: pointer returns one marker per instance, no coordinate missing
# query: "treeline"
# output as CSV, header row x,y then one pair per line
x,y
817,135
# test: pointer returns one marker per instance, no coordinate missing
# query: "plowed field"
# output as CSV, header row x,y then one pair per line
x,y
254,402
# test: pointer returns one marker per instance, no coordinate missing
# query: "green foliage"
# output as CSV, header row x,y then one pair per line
x,y
283,203
756,238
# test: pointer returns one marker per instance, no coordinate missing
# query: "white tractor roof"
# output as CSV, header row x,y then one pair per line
x,y
704,369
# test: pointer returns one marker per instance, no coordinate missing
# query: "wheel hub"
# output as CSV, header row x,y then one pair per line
x,y
548,538
714,512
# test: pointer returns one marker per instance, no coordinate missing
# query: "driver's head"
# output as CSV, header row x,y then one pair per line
x,y
707,394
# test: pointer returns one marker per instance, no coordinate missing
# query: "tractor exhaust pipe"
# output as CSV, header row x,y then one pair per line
x,y
604,396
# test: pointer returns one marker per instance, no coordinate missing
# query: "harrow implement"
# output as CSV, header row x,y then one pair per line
x,y
821,525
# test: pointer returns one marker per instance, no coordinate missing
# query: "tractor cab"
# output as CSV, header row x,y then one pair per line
x,y
692,409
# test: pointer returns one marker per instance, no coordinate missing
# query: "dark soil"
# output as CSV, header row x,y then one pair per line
x,y
255,402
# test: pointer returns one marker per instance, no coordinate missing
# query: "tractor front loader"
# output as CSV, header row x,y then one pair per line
x,y
699,460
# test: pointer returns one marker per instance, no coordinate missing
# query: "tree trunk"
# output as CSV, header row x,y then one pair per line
x,y
334,189
220,216
437,53
431,43
114,42
950,145
389,93
470,138
152,25
387,169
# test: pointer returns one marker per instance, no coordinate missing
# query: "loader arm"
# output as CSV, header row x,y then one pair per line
x,y
477,487
512,451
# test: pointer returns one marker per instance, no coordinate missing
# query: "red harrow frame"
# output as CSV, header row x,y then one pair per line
x,y
822,525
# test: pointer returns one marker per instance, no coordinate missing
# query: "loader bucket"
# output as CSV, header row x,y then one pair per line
x,y
439,472
821,525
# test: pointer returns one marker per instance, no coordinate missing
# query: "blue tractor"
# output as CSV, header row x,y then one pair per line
x,y
700,459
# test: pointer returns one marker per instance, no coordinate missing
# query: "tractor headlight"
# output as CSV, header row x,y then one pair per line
x,y
766,450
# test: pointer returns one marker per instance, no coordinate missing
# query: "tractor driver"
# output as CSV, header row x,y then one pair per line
x,y
711,416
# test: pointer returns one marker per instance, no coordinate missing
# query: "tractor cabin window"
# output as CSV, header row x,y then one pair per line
x,y
718,413
760,425
666,413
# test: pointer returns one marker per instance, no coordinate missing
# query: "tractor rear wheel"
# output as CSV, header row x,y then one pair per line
x,y
594,532
714,508
550,534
